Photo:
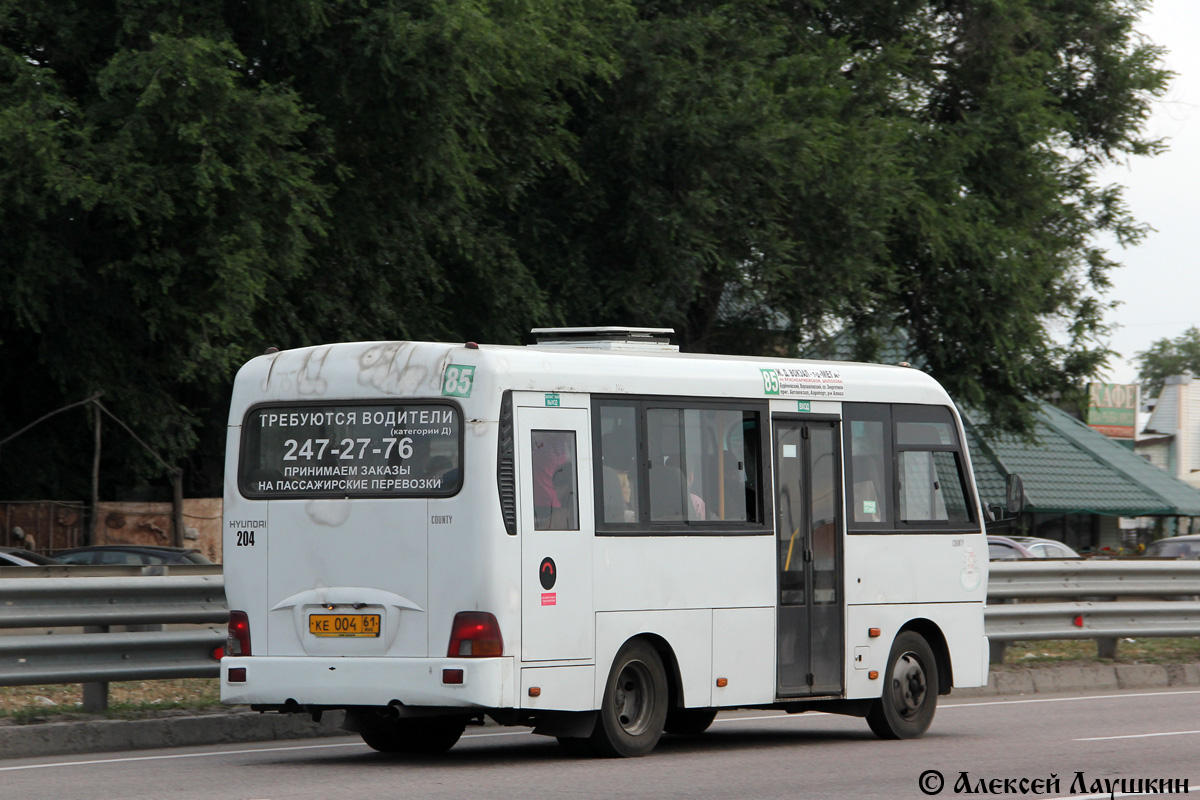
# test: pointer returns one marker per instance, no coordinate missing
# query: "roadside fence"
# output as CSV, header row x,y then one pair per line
x,y
123,614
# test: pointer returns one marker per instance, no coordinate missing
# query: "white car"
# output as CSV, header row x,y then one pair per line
x,y
1175,547
1007,548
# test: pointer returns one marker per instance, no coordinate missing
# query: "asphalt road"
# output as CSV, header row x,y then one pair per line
x,y
746,754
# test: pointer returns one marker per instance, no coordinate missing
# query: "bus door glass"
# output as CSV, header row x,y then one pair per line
x,y
556,525
807,523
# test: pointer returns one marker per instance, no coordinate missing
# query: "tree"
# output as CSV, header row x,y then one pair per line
x,y
182,184
762,174
1167,357
148,196
1020,104
736,180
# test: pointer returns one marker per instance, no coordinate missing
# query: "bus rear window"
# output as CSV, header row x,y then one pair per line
x,y
352,450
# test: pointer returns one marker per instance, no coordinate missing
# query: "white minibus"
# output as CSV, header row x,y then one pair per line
x,y
596,536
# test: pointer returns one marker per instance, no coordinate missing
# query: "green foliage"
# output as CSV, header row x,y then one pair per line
x,y
994,259
1167,357
765,174
171,203
183,184
734,176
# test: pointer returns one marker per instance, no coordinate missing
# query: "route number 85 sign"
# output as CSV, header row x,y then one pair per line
x,y
458,380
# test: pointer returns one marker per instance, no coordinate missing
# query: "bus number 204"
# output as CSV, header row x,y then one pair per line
x,y
245,538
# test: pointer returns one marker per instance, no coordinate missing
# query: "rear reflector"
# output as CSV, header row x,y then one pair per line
x,y
454,676
237,675
238,641
475,634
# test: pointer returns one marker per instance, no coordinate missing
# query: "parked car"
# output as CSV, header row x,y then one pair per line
x,y
16,557
1045,548
1009,548
1003,548
1175,547
131,554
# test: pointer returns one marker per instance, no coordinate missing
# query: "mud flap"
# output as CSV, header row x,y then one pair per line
x,y
566,724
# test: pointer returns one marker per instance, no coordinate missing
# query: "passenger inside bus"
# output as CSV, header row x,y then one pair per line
x,y
550,451
566,516
616,453
696,509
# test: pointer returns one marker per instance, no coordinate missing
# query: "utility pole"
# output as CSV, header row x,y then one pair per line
x,y
89,533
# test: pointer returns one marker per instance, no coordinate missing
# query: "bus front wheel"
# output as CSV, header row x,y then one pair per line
x,y
905,709
634,707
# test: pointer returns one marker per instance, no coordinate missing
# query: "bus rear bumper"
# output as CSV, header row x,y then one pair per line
x,y
340,682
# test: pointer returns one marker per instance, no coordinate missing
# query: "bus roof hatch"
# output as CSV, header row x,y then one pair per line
x,y
607,337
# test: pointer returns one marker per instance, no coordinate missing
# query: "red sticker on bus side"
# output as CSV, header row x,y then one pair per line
x,y
549,598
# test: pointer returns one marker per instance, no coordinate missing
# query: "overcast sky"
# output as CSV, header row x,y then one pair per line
x,y
1159,284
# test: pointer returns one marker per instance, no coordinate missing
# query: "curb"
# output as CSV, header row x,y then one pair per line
x,y
1043,680
123,735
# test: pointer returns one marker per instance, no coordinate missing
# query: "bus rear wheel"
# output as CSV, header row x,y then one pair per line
x,y
634,707
423,736
905,710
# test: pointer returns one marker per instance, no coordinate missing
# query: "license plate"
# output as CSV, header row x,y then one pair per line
x,y
343,624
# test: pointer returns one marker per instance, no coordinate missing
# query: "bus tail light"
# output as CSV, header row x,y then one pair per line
x,y
238,642
475,634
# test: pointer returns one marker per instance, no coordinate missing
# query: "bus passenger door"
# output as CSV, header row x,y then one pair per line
x,y
556,523
807,525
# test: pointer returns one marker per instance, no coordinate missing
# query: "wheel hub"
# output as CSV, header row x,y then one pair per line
x,y
631,698
909,685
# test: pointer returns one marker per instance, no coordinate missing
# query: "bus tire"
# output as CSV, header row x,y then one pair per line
x,y
910,692
689,721
422,736
634,707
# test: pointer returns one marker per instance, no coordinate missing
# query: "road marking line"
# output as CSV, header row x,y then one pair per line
x,y
1067,699
181,755
1135,736
247,751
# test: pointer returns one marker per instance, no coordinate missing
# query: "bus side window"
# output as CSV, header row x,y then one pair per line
x,y
665,435
930,476
555,481
671,464
618,463
868,440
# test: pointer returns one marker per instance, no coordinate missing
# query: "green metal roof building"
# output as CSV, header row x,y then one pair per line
x,y
1078,482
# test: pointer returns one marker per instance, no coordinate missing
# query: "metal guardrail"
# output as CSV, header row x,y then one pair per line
x,y
1102,600
94,658
107,570
55,602
1037,578
99,599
